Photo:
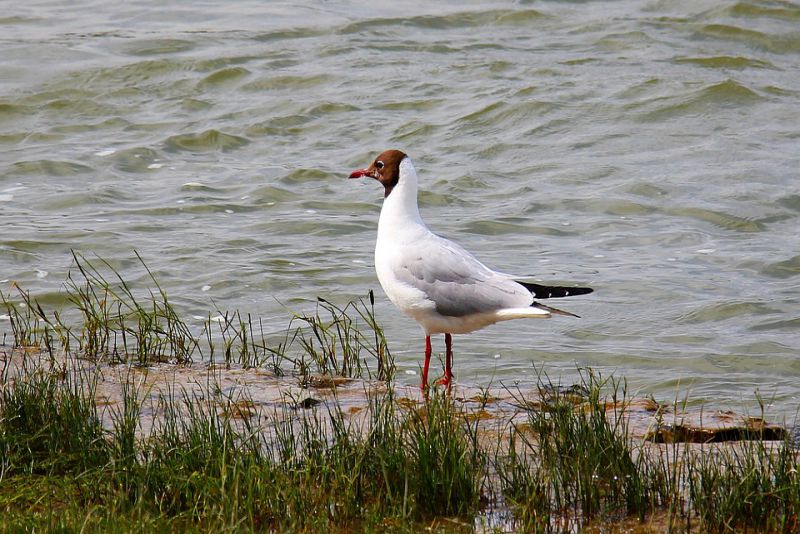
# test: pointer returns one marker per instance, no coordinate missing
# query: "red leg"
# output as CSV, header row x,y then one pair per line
x,y
448,365
424,384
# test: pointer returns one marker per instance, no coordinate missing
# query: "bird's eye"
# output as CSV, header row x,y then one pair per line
x,y
379,164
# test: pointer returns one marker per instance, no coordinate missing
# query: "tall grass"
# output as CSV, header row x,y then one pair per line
x,y
336,346
307,470
49,423
115,323
119,323
575,456
24,318
751,486
207,463
574,462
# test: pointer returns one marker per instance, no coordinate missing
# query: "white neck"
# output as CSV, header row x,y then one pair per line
x,y
400,207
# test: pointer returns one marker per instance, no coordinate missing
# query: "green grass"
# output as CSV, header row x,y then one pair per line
x,y
210,463
753,485
118,323
572,463
398,466
202,467
582,459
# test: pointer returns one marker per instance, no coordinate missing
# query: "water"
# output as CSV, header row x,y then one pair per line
x,y
648,149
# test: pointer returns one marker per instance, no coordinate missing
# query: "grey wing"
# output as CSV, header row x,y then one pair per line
x,y
456,281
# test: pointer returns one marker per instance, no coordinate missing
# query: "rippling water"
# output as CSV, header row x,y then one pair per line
x,y
649,149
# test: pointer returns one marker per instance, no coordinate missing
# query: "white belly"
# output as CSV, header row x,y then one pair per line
x,y
435,323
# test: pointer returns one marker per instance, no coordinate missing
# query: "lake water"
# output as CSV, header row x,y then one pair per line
x,y
648,149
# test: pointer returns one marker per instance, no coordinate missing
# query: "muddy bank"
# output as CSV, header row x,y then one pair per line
x,y
258,395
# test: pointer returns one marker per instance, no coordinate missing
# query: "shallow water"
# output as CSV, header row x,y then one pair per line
x,y
648,149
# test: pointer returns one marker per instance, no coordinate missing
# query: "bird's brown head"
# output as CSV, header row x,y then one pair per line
x,y
385,169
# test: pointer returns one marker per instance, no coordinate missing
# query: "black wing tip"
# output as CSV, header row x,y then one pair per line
x,y
550,292
580,290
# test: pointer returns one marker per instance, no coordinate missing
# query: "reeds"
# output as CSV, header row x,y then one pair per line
x,y
116,323
580,454
207,463
335,346
573,462
203,464
753,485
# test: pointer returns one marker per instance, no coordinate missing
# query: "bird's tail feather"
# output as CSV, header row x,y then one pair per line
x,y
555,311
552,292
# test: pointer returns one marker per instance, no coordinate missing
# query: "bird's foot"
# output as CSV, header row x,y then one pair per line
x,y
445,380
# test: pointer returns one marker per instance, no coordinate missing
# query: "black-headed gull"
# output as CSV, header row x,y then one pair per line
x,y
435,281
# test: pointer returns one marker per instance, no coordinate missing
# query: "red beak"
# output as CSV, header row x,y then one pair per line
x,y
360,173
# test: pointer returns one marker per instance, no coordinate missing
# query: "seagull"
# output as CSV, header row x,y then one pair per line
x,y
437,282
